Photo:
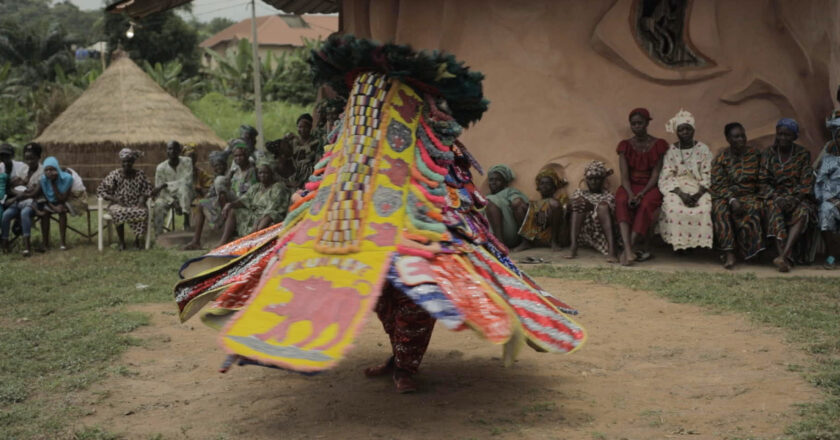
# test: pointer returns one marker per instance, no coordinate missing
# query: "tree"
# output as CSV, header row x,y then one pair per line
x,y
33,56
158,38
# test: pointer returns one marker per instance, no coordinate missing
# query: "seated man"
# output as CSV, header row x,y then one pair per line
x,y
24,198
262,206
16,171
593,213
173,186
506,207
787,187
545,220
209,208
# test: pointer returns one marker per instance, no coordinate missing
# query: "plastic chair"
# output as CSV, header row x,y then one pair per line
x,y
103,217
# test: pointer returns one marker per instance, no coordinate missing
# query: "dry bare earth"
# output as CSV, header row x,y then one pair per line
x,y
651,370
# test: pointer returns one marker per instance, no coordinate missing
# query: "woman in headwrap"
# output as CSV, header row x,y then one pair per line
x,y
686,220
544,220
209,208
638,199
262,206
304,152
787,182
127,189
827,190
736,207
242,174
57,188
507,205
593,209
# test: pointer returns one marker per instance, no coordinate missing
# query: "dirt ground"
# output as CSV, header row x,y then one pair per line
x,y
650,370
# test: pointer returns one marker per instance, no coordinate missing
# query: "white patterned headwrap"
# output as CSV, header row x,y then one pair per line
x,y
682,117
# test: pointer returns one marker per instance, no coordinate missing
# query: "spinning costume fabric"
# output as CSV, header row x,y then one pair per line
x,y
391,203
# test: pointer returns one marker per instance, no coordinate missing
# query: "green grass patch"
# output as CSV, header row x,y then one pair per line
x,y
807,308
224,116
63,322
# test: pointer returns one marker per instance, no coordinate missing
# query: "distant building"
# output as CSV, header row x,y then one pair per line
x,y
275,33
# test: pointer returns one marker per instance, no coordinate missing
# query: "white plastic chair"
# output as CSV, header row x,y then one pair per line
x,y
103,217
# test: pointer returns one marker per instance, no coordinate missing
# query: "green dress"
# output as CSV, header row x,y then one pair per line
x,y
259,202
504,200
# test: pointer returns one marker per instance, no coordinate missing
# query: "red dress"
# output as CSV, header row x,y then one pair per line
x,y
640,165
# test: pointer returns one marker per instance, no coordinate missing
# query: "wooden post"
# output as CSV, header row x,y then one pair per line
x,y
257,80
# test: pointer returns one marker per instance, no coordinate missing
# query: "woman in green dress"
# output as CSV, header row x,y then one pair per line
x,y
260,207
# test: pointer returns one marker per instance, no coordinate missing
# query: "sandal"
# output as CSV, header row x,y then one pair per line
x,y
533,260
829,263
643,256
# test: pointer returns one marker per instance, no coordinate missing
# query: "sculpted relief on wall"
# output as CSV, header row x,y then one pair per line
x,y
562,75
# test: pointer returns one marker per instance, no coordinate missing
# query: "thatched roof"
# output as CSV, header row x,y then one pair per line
x,y
126,107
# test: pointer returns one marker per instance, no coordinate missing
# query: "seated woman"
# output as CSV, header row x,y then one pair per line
x,y
506,207
736,206
686,220
593,209
827,193
209,208
202,181
787,184
262,206
62,198
638,199
22,204
126,191
545,218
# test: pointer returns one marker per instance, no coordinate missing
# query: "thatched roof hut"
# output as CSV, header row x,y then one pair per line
x,y
123,108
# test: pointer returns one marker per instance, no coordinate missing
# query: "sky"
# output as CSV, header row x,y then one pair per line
x,y
204,10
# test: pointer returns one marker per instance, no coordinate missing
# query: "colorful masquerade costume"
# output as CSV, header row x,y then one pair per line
x,y
390,221
736,177
681,226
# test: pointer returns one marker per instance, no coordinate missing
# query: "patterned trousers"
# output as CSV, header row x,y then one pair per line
x,y
779,220
408,326
738,233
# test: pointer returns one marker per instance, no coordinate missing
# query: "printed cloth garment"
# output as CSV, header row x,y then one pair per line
x,y
210,202
827,192
178,189
735,177
305,155
688,169
790,182
130,193
19,170
591,233
640,165
537,224
259,202
408,326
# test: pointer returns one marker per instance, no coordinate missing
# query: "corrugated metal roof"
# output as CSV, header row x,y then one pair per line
x,y
306,6
142,8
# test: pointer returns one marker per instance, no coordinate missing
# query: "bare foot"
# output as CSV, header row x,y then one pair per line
x,y
729,264
192,246
627,258
380,370
781,264
611,259
572,254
